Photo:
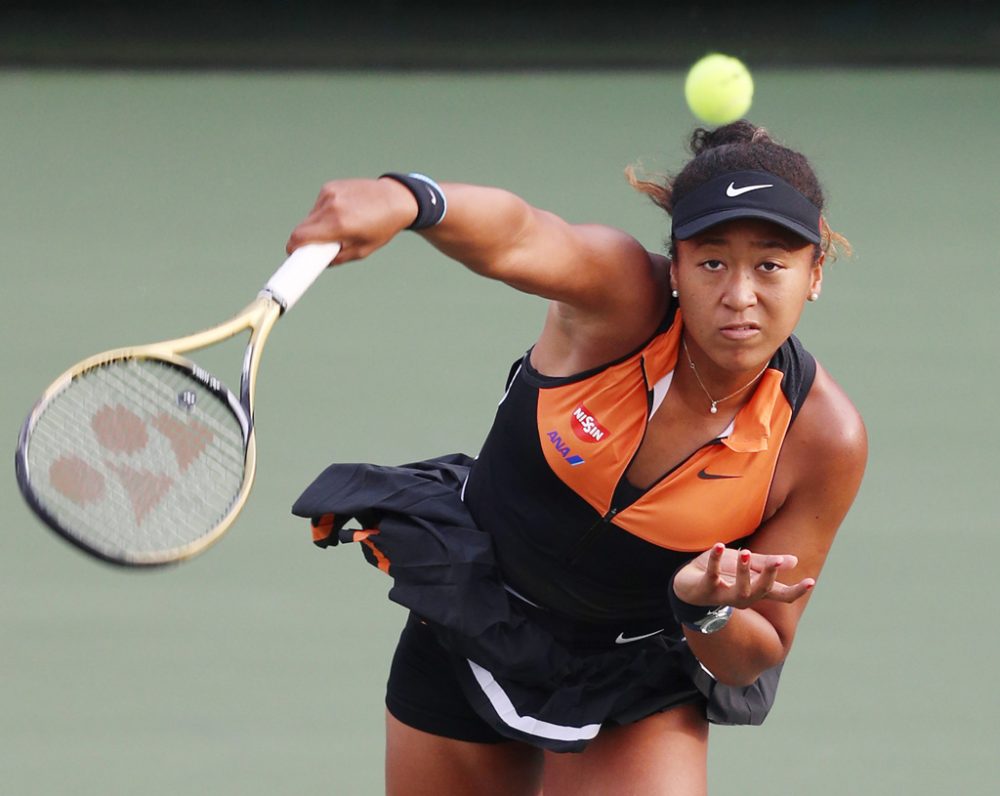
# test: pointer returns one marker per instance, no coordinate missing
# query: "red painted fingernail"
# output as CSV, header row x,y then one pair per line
x,y
744,555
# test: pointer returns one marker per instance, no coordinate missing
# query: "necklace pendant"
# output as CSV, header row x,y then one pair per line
x,y
714,408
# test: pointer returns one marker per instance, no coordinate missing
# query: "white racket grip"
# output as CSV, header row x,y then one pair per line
x,y
303,267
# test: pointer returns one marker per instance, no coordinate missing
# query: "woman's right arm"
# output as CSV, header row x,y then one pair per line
x,y
491,231
608,292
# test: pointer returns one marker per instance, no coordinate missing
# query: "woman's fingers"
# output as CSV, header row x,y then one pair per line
x,y
782,593
739,578
713,567
361,215
744,585
767,580
742,577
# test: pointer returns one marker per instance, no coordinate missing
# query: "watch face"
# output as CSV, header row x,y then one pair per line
x,y
716,620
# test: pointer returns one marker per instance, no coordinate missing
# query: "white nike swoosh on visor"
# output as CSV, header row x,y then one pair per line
x,y
732,190
622,639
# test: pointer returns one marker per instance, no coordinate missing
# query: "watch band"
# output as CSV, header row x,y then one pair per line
x,y
703,618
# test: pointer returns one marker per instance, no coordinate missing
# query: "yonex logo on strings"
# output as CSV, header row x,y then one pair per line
x,y
122,434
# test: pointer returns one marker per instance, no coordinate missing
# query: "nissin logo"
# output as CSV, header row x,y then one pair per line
x,y
563,449
585,425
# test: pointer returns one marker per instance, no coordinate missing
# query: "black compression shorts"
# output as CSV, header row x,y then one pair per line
x,y
424,693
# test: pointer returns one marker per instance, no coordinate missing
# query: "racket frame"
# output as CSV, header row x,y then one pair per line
x,y
280,293
259,318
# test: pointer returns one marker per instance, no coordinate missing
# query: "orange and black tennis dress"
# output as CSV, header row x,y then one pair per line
x,y
571,533
542,571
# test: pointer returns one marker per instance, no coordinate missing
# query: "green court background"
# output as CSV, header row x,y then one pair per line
x,y
136,206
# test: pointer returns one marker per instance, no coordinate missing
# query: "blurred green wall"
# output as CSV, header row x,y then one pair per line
x,y
447,34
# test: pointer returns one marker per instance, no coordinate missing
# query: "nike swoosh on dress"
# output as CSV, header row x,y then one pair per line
x,y
707,476
623,639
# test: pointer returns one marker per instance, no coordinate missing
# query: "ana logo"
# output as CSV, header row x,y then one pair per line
x,y
563,449
585,425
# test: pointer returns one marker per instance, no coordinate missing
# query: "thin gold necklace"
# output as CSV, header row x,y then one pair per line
x,y
704,389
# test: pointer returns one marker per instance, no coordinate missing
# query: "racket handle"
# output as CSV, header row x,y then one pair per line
x,y
298,272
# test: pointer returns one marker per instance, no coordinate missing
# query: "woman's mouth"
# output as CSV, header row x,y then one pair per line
x,y
740,331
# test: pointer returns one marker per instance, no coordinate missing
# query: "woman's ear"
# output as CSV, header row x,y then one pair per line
x,y
816,282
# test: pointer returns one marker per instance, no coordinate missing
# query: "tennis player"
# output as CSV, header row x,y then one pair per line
x,y
664,478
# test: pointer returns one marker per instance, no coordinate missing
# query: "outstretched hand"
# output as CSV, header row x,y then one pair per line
x,y
360,215
725,576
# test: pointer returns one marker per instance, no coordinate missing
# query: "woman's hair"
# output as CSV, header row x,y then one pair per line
x,y
740,146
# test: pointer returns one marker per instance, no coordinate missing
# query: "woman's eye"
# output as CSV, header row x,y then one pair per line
x,y
769,267
713,265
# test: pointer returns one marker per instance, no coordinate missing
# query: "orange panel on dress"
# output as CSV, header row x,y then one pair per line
x,y
590,429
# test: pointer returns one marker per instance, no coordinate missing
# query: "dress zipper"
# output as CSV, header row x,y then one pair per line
x,y
594,531
590,536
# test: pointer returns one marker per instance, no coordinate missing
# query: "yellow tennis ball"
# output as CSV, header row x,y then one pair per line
x,y
718,89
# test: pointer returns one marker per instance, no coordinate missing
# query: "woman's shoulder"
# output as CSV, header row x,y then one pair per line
x,y
829,427
823,456
607,251
634,297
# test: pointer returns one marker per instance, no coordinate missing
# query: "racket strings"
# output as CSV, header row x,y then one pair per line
x,y
136,457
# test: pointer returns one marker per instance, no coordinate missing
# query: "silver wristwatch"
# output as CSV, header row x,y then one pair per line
x,y
713,621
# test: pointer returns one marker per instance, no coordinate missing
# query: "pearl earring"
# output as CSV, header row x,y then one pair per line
x,y
675,294
814,296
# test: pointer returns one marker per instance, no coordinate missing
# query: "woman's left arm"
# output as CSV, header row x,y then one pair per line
x,y
819,473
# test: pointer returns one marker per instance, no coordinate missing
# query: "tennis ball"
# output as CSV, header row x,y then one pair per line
x,y
718,89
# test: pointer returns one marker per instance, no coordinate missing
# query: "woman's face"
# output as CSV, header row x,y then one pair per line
x,y
742,288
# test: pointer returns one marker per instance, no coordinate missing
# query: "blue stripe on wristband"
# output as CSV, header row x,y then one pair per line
x,y
431,202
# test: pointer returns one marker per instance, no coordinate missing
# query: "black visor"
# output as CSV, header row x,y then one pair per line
x,y
745,194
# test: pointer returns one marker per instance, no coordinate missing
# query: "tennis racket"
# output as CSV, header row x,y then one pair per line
x,y
139,456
